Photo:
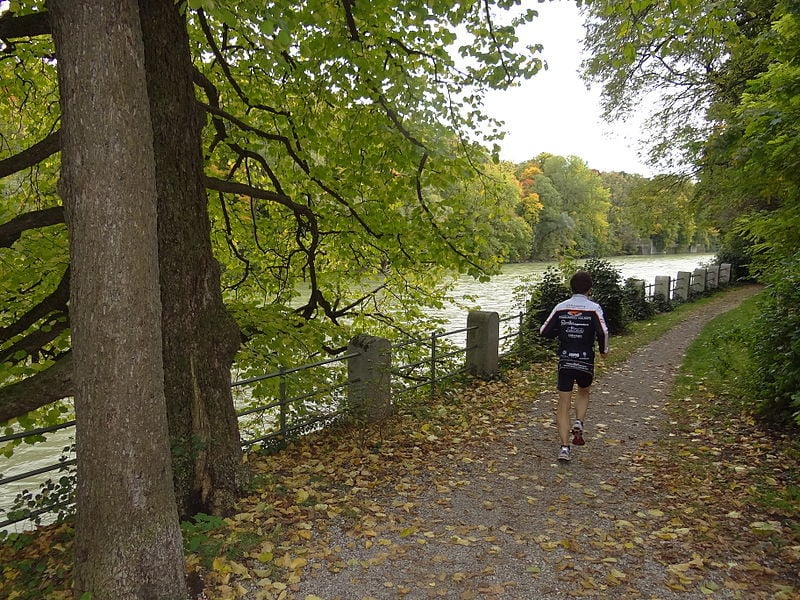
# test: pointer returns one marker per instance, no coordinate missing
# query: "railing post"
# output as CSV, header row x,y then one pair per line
x,y
483,343
661,288
282,399
682,283
369,376
699,281
713,277
433,365
725,274
640,286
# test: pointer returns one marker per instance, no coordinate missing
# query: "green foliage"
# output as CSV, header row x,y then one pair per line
x,y
540,297
775,347
635,306
353,128
735,250
200,536
210,538
675,49
607,290
55,497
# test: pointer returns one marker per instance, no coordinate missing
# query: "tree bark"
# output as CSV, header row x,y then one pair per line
x,y
200,338
127,535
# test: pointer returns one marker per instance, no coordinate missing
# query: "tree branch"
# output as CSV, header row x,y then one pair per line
x,y
493,35
234,187
11,231
348,6
57,300
31,156
48,386
33,24
34,343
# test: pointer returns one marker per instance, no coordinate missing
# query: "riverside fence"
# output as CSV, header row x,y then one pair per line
x,y
362,385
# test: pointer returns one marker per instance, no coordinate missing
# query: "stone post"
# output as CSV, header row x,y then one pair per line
x,y
661,289
712,277
698,281
483,343
639,286
682,283
724,274
369,376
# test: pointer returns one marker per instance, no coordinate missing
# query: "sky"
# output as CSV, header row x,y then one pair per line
x,y
553,111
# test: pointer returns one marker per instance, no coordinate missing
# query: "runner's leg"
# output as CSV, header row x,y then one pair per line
x,y
562,416
582,402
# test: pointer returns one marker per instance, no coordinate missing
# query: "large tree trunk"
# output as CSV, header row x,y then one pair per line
x,y
200,337
127,536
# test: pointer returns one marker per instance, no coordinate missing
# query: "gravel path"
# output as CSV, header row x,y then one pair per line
x,y
511,522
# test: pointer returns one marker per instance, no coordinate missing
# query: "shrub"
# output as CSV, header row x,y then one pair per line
x,y
775,376
607,291
635,306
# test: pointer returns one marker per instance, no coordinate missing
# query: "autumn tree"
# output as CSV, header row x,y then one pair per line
x,y
530,202
574,216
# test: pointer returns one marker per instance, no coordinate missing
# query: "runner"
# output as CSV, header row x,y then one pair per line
x,y
577,323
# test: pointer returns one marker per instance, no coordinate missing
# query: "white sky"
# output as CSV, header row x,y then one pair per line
x,y
553,111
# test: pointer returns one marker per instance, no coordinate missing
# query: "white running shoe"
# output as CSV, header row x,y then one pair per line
x,y
563,454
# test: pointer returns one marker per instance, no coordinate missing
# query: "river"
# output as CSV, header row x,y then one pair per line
x,y
495,295
498,294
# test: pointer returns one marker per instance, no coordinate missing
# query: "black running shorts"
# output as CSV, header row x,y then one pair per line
x,y
567,378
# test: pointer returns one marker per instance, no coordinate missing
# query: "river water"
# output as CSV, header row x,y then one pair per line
x,y
496,295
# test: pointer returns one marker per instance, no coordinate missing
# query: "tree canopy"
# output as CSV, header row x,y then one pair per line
x,y
334,136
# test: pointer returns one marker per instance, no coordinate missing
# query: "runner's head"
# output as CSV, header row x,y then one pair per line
x,y
580,283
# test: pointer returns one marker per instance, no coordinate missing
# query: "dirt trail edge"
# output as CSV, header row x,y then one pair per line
x,y
509,521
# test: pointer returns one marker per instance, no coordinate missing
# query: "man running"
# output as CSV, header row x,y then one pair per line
x,y
577,323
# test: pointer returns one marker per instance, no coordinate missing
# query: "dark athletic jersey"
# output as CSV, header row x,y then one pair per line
x,y
577,323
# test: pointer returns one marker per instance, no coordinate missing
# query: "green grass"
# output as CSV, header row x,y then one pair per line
x,y
715,377
719,357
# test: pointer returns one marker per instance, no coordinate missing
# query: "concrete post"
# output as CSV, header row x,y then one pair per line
x,y
712,277
698,281
682,283
661,288
483,343
369,376
724,274
639,285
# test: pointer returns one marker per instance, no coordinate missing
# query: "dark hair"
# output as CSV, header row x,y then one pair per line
x,y
580,283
